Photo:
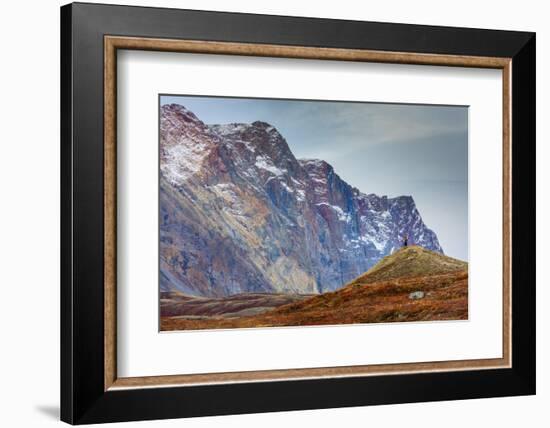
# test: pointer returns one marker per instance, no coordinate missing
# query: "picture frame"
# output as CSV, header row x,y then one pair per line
x,y
91,390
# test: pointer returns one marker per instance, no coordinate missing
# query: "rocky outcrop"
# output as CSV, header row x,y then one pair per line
x,y
239,213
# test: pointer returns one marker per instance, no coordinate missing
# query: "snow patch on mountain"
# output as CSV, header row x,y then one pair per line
x,y
263,163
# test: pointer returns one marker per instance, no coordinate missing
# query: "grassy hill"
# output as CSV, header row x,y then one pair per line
x,y
409,262
386,293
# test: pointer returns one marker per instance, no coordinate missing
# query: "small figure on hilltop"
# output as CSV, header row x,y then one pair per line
x,y
406,241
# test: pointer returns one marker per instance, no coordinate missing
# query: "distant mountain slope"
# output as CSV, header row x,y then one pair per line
x,y
240,214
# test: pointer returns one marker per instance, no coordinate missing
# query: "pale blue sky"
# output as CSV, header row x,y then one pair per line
x,y
387,149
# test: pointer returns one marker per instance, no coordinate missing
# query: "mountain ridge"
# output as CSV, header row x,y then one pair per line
x,y
239,213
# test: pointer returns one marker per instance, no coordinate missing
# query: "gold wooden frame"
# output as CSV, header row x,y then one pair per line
x,y
113,43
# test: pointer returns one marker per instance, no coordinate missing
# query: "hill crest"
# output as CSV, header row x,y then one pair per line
x,y
409,262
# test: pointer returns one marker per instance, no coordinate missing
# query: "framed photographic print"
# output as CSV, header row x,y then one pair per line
x,y
265,213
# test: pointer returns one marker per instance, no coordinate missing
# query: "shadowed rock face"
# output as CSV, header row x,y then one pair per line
x,y
239,213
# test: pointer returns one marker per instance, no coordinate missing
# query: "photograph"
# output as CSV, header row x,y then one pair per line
x,y
282,212
257,213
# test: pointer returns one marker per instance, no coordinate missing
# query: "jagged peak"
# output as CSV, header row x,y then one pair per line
x,y
402,201
262,138
315,165
256,133
263,125
178,108
180,114
311,161
241,127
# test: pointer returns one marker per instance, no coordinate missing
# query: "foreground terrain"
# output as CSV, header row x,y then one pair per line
x,y
413,284
174,304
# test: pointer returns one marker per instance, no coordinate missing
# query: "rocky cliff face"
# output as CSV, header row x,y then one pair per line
x,y
239,213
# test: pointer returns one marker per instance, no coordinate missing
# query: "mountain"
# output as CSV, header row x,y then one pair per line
x,y
240,214
413,284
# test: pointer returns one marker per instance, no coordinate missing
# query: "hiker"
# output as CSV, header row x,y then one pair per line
x,y
406,241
